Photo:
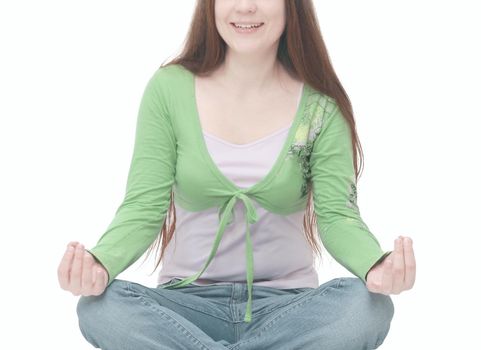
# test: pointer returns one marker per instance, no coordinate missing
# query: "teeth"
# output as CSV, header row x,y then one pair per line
x,y
247,25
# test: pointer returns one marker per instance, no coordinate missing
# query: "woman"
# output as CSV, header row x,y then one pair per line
x,y
245,129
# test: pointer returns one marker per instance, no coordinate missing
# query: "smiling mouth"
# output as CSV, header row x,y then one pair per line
x,y
247,26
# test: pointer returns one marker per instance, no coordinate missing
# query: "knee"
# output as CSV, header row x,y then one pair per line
x,y
371,313
93,311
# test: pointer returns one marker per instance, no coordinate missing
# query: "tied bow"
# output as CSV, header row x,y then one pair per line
x,y
226,213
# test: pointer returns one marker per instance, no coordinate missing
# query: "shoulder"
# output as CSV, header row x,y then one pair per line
x,y
169,82
319,108
166,82
319,104
168,74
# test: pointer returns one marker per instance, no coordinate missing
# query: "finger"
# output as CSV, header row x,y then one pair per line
x,y
63,271
387,275
100,281
410,262
94,273
398,267
87,280
76,272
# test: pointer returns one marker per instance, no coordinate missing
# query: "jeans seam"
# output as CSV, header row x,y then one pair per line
x,y
178,325
192,337
190,307
295,298
294,305
380,341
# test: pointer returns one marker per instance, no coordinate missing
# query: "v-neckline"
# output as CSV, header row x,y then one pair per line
x,y
213,166
249,144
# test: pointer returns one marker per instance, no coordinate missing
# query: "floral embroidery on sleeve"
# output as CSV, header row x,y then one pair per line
x,y
309,128
352,195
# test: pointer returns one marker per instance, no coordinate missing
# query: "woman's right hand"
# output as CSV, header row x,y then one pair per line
x,y
80,273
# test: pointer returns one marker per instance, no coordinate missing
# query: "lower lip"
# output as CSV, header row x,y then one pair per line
x,y
247,30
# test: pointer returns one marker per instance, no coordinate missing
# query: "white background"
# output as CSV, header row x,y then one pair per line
x,y
71,78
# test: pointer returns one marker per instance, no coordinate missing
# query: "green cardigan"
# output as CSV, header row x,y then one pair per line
x,y
170,155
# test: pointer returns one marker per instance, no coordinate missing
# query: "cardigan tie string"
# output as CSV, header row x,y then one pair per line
x,y
226,213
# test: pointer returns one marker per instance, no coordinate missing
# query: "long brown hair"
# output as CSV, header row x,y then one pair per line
x,y
301,52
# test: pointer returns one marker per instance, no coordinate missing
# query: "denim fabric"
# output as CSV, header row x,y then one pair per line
x,y
341,314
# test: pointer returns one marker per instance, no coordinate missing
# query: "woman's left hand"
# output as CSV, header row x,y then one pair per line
x,y
397,272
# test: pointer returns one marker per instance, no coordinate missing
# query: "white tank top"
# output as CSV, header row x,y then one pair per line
x,y
282,256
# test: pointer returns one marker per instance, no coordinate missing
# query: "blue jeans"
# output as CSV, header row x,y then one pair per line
x,y
341,314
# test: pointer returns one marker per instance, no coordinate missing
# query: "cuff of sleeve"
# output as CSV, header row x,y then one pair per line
x,y
352,245
101,260
377,261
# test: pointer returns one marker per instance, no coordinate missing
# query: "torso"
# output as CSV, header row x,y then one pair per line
x,y
247,118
